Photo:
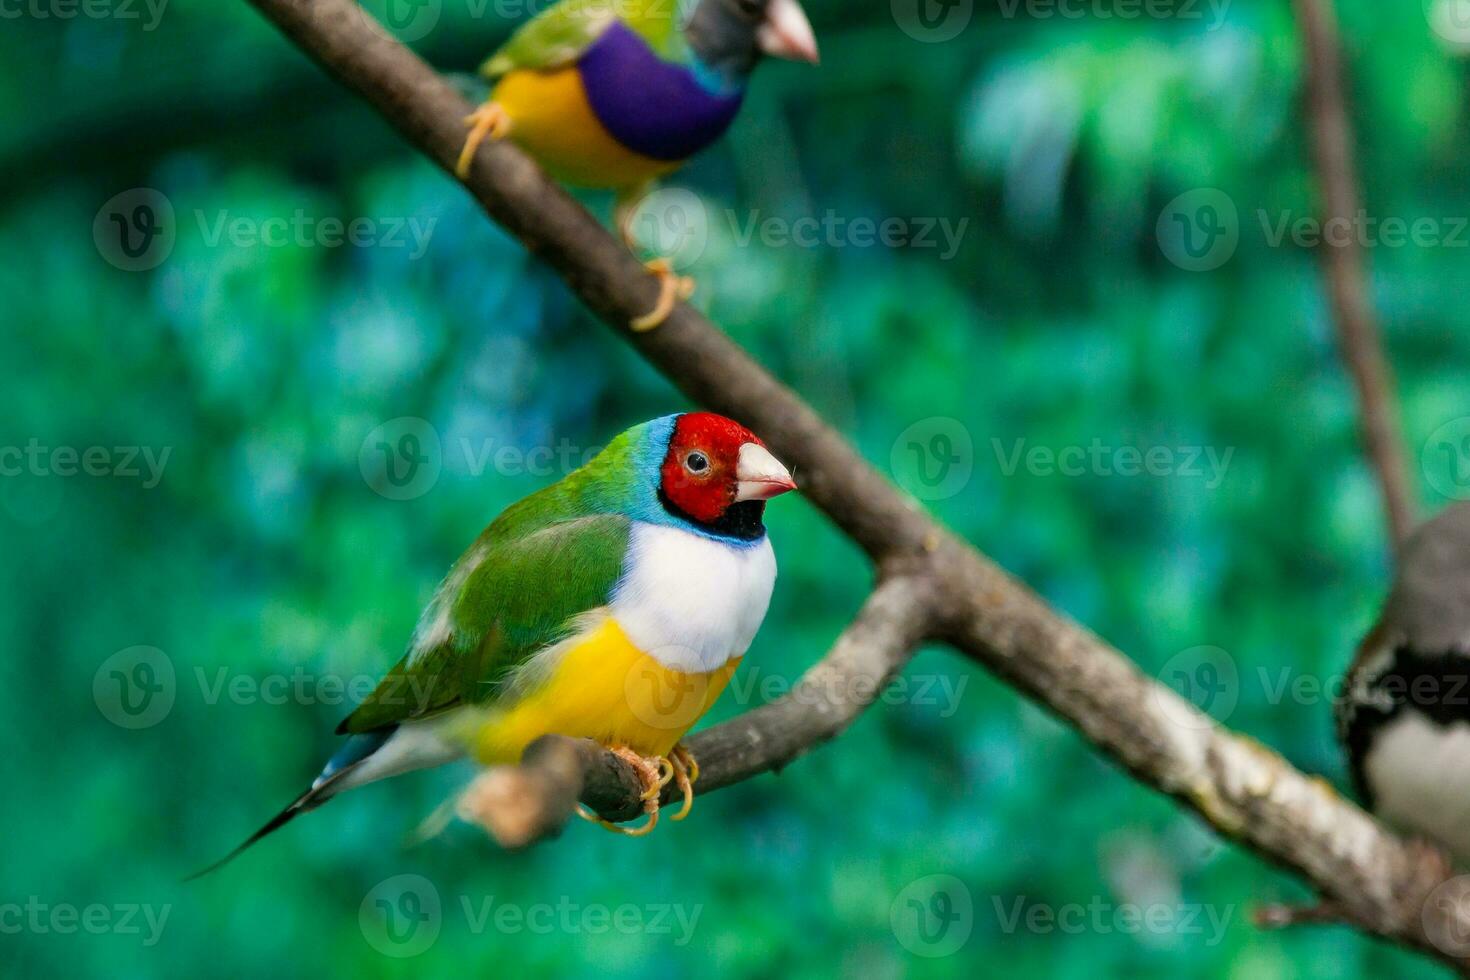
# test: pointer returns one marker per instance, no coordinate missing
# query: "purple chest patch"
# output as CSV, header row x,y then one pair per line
x,y
649,105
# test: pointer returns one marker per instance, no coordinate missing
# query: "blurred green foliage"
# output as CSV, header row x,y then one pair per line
x,y
262,552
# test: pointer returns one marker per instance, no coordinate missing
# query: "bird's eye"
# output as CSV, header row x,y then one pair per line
x,y
696,462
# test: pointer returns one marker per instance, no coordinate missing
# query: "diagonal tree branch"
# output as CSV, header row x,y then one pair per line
x,y
1344,265
1244,791
695,355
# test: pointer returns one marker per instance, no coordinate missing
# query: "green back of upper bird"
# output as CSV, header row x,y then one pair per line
x,y
557,36
518,589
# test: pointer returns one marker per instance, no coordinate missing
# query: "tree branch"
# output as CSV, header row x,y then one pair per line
x,y
696,356
1344,265
522,804
1243,790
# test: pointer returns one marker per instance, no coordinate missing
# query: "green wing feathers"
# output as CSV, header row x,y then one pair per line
x,y
510,596
553,38
557,36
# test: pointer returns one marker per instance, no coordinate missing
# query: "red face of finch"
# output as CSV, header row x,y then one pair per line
x,y
714,463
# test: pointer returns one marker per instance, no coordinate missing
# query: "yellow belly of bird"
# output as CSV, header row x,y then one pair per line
x,y
551,119
604,688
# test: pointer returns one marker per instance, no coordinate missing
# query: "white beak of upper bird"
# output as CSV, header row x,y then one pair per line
x,y
786,33
759,475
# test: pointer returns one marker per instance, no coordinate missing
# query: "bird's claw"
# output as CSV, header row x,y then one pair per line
x,y
650,774
686,771
672,288
489,120
655,773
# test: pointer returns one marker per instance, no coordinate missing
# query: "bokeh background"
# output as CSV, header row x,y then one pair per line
x,y
185,616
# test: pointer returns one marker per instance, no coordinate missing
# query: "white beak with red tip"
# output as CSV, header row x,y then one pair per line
x,y
786,33
759,475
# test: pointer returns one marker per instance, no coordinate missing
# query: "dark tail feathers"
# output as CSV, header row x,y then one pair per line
x,y
309,800
353,754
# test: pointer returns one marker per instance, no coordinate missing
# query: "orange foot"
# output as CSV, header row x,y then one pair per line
x,y
654,774
672,288
686,772
490,120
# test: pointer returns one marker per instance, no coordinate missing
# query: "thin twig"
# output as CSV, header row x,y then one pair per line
x,y
1288,916
1344,265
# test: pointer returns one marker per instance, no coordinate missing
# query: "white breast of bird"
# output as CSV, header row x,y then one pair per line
x,y
691,601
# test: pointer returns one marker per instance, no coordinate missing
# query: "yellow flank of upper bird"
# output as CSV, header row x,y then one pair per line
x,y
553,121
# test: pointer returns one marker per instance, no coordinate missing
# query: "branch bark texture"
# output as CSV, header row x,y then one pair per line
x,y
931,584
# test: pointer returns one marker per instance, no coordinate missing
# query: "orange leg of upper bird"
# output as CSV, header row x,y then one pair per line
x,y
672,287
489,120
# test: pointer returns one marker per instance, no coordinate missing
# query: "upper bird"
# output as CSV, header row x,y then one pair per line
x,y
1404,713
613,94
612,605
